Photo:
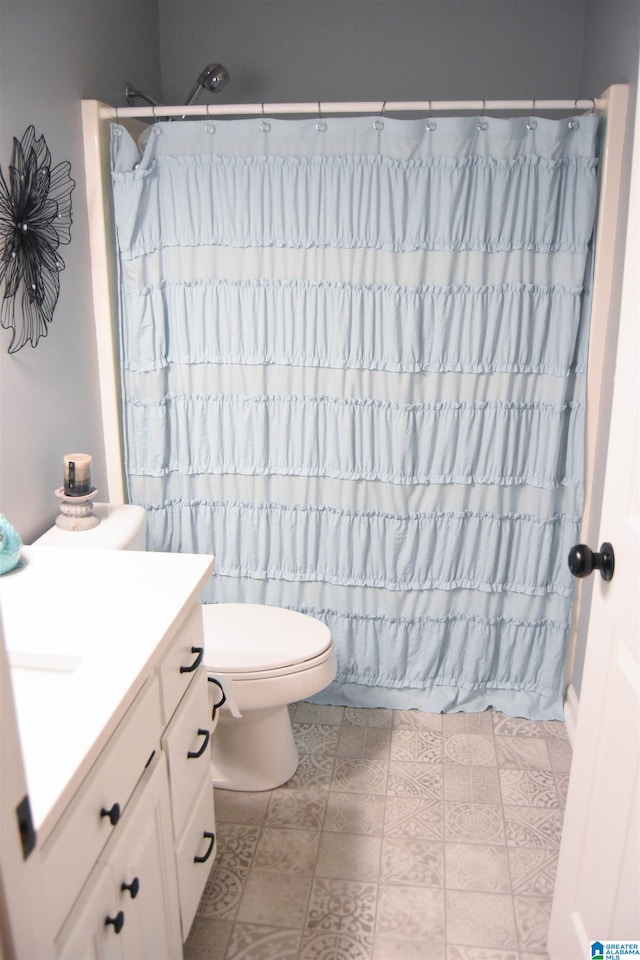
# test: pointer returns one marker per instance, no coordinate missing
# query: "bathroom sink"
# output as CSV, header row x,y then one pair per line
x,y
44,660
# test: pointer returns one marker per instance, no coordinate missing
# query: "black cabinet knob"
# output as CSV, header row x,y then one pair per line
x,y
116,922
583,561
113,814
132,887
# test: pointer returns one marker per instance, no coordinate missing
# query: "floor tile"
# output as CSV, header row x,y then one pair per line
x,y
529,788
246,808
415,744
516,726
334,946
313,771
284,850
410,913
208,939
355,813
468,723
316,738
275,899
342,906
481,919
474,823
477,866
390,948
523,752
470,748
533,827
357,775
369,743
413,817
559,754
458,952
532,921
222,893
417,720
415,780
470,784
362,716
344,856
236,845
255,942
533,871
297,808
416,862
317,713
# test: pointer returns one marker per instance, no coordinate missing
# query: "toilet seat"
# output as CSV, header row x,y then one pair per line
x,y
256,641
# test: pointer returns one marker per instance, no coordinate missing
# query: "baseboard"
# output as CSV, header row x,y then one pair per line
x,y
571,706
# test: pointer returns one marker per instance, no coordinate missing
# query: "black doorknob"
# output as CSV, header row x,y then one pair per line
x,y
583,561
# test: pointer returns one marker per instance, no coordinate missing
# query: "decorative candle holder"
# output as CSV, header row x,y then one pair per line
x,y
76,513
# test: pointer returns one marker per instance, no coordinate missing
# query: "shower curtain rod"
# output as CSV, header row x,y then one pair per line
x,y
335,107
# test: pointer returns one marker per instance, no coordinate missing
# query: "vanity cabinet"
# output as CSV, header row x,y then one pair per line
x,y
127,850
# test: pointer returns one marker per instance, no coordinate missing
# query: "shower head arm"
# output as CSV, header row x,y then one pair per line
x,y
131,94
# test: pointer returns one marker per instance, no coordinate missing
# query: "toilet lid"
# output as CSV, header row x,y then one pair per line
x,y
249,637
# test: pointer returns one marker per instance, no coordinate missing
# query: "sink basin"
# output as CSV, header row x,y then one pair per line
x,y
44,660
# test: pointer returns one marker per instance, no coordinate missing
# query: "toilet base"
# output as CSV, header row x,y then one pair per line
x,y
254,752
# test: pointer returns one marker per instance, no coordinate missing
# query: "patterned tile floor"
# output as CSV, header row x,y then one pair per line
x,y
402,836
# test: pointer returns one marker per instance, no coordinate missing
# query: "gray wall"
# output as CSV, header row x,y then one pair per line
x,y
52,54
283,50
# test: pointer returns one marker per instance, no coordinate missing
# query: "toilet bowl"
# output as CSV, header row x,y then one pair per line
x,y
260,659
264,658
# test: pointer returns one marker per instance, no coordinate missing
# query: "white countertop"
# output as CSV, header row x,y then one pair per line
x,y
82,629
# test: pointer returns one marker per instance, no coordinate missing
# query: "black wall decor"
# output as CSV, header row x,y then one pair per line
x,y
35,219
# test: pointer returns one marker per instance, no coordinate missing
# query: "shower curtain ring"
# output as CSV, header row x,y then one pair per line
x,y
593,107
384,103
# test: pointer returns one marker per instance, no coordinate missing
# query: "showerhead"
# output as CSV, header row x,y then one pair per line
x,y
214,78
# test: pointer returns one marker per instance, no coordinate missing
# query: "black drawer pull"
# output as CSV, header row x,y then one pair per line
x,y
132,887
116,922
113,814
196,663
194,754
212,840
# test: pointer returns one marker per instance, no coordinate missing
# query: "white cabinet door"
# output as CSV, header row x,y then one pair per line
x,y
145,877
87,934
129,906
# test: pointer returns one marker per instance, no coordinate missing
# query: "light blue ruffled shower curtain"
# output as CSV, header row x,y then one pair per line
x,y
353,366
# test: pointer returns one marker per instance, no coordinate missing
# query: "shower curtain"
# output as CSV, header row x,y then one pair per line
x,y
353,358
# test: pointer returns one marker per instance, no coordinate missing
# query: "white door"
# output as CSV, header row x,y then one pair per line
x,y
597,894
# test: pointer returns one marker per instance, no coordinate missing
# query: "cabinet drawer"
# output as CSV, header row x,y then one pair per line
x,y
195,854
181,662
186,742
75,844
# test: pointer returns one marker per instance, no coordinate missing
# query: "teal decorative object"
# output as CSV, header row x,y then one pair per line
x,y
10,545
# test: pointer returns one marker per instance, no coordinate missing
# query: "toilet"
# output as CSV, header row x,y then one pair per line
x,y
259,659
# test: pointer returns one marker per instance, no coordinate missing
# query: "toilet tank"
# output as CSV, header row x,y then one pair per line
x,y
121,527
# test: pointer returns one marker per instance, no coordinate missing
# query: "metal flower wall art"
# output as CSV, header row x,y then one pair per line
x,y
35,219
